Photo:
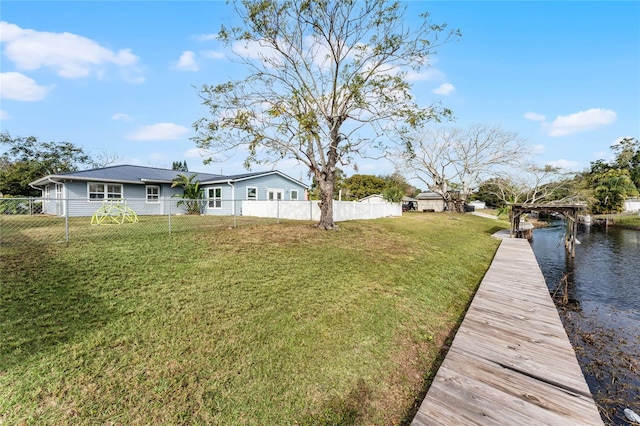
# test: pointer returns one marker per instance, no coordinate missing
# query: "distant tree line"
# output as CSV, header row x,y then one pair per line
x,y
442,162
392,188
604,187
27,158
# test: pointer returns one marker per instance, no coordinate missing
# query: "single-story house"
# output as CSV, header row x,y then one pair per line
x,y
148,191
374,198
430,201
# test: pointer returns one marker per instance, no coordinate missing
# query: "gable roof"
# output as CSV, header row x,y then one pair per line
x,y
429,196
122,174
141,175
368,197
246,176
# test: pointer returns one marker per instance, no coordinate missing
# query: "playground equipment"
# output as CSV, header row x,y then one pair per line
x,y
112,212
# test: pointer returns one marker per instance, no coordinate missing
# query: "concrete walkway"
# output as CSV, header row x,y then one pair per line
x,y
488,216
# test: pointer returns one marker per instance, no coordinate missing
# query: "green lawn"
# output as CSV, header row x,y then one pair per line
x,y
277,324
630,221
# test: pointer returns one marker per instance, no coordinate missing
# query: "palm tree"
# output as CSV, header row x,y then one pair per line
x,y
614,186
192,195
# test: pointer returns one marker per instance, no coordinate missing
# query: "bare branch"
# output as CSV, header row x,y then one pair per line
x,y
447,159
325,82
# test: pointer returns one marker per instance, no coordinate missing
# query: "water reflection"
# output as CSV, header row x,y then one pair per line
x,y
602,317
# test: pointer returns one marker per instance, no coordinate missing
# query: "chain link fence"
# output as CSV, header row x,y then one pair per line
x,y
39,220
58,220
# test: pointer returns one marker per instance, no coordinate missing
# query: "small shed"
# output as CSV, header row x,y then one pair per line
x,y
478,205
430,202
374,198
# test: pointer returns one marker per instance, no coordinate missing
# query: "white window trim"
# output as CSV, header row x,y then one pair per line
x,y
105,191
214,198
146,190
297,195
275,191
247,194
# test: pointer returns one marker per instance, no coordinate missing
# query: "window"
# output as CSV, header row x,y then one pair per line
x,y
294,194
114,191
215,198
100,191
47,191
153,194
275,194
252,193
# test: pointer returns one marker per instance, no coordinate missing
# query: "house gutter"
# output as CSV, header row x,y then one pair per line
x,y
49,181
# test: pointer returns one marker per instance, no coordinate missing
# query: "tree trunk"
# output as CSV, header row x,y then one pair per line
x,y
325,181
454,205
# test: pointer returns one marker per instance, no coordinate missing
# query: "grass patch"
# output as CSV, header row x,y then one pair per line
x,y
628,221
264,324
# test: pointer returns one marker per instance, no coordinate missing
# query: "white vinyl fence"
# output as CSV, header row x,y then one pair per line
x,y
309,210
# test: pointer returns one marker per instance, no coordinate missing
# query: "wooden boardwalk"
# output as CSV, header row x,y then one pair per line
x,y
511,362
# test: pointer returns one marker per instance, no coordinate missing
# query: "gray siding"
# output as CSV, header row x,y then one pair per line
x,y
232,197
75,197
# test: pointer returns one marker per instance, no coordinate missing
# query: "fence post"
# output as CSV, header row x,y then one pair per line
x,y
169,216
235,217
277,211
66,219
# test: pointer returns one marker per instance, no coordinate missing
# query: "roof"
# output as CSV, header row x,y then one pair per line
x,y
245,176
371,196
429,196
144,175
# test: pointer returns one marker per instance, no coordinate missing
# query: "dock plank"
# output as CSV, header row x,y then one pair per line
x,y
511,361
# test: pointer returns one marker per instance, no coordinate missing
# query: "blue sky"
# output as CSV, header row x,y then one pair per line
x,y
121,78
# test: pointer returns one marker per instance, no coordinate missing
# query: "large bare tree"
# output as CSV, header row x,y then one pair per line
x,y
532,184
453,161
327,80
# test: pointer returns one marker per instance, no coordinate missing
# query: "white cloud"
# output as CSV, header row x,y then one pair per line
x,y
19,87
563,164
430,74
121,116
4,115
207,37
538,149
444,89
159,131
533,116
253,50
581,121
196,153
213,54
69,55
187,61
620,139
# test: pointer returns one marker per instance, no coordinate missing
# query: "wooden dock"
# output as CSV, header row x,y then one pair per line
x,y
511,362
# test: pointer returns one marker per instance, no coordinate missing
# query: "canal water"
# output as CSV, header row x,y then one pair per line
x,y
598,297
